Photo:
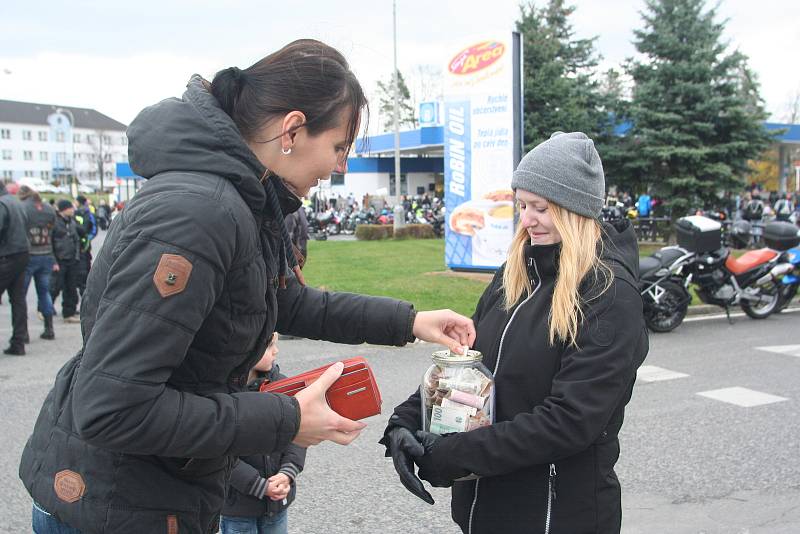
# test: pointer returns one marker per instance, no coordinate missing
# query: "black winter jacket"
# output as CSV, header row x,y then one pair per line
x,y
558,409
41,220
143,425
66,239
13,225
245,495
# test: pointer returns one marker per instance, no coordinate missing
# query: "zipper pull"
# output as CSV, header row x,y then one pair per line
x,y
551,481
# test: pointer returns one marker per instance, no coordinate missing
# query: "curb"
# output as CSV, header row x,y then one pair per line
x,y
710,309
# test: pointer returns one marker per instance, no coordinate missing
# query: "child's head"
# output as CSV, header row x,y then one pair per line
x,y
268,359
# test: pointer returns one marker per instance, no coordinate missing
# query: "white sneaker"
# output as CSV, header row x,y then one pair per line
x,y
40,316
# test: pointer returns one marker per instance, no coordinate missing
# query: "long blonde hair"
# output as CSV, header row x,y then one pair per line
x,y
580,237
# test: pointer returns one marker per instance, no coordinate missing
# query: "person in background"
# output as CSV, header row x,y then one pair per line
x,y
67,251
784,208
85,217
103,215
263,486
297,225
14,254
41,221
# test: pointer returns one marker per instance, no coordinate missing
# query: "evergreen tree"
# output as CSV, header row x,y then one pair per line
x,y
696,112
386,101
560,92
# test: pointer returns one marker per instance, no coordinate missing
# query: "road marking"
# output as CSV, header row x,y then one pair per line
x,y
651,373
723,316
790,350
740,396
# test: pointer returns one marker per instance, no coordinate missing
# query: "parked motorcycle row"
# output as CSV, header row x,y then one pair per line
x,y
760,282
334,222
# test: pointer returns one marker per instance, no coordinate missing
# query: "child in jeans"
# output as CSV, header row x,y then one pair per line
x,y
262,487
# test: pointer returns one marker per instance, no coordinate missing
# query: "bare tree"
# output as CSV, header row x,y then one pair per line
x,y
101,154
427,84
792,110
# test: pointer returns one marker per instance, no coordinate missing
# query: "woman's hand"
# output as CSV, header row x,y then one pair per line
x,y
318,422
445,327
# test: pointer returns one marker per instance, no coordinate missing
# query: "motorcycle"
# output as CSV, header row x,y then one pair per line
x,y
316,229
789,237
751,281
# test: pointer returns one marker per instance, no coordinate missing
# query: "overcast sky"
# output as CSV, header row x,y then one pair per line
x,y
119,57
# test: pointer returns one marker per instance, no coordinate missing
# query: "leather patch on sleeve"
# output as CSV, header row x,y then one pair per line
x,y
69,486
172,274
172,524
603,333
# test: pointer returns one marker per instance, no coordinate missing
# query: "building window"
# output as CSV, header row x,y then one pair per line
x,y
76,138
106,140
337,179
28,174
5,133
43,156
6,155
27,155
403,185
89,138
45,175
59,137
108,175
123,140
27,135
42,136
8,175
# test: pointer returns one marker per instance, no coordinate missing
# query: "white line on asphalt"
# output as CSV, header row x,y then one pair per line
x,y
789,350
651,373
740,396
723,316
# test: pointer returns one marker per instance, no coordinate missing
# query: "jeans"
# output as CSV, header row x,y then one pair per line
x,y
278,524
44,523
12,279
40,268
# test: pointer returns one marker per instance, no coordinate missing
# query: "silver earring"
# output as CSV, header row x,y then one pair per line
x,y
286,151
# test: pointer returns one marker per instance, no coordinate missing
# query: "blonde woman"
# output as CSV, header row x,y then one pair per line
x,y
561,327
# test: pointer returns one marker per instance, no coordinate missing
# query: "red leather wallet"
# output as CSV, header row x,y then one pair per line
x,y
354,395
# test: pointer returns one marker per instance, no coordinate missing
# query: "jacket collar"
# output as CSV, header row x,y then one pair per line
x,y
542,260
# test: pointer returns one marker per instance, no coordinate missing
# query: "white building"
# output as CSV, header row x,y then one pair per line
x,y
44,146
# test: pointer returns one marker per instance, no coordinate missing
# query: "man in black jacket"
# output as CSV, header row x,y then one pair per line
x,y
41,220
67,250
14,254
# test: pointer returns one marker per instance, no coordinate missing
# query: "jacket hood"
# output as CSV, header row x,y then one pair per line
x,y
194,134
620,248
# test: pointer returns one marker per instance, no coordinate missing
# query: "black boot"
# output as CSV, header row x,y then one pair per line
x,y
15,350
26,339
48,328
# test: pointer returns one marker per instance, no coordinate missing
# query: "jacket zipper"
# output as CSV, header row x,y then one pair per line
x,y
551,496
494,373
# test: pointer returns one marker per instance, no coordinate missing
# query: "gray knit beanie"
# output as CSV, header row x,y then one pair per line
x,y
566,169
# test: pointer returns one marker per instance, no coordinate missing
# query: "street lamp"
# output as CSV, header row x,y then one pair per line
x,y
399,212
73,182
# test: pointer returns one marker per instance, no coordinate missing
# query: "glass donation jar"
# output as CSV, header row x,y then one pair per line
x,y
457,393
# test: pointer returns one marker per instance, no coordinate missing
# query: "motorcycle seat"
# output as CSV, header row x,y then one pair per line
x,y
662,258
648,265
749,260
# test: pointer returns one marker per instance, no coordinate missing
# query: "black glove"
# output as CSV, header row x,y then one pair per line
x,y
430,467
402,446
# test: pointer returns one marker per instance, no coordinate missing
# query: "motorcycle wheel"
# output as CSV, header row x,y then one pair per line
x,y
787,293
671,312
763,309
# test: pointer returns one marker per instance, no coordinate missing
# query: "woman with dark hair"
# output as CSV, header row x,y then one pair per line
x,y
142,427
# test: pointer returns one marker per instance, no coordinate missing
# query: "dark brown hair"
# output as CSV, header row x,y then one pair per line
x,y
305,75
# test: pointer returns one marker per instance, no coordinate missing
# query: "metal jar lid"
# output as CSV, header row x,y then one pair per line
x,y
445,357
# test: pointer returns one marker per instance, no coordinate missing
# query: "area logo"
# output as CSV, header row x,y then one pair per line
x,y
477,57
